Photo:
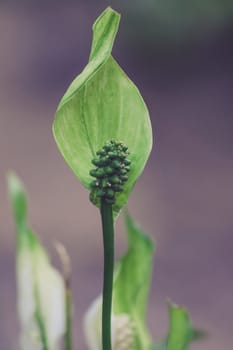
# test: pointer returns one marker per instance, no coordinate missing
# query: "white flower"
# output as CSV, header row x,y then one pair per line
x,y
41,290
41,296
122,328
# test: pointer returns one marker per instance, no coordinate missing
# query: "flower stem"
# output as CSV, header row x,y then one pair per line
x,y
68,333
108,240
66,272
40,324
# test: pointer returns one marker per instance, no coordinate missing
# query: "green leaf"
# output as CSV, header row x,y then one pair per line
x,y
101,104
181,333
132,282
180,329
41,294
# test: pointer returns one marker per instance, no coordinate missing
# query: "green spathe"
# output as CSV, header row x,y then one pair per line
x,y
103,104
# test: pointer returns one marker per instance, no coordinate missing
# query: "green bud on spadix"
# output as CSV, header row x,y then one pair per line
x,y
112,165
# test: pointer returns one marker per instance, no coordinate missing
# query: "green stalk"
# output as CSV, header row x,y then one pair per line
x,y
66,272
68,333
40,323
108,240
42,331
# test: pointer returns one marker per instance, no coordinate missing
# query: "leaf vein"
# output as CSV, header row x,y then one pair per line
x,y
85,123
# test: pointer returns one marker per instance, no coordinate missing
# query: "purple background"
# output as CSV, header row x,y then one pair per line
x,y
184,198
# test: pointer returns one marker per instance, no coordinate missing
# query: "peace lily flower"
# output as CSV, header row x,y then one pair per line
x,y
103,121
122,329
41,293
100,105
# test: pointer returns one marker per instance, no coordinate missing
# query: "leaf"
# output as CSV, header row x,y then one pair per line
x,y
101,104
180,329
181,333
40,287
132,281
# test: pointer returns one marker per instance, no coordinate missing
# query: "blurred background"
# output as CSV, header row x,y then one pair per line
x,y
180,55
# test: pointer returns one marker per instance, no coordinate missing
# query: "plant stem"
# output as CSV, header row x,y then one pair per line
x,y
41,325
66,272
108,240
68,333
